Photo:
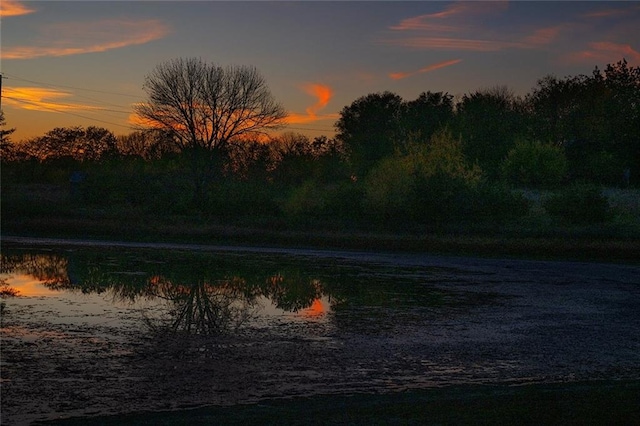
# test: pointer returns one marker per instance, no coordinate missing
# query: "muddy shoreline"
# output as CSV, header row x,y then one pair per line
x,y
525,322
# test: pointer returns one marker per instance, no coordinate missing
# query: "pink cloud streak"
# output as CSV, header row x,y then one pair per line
x,y
604,51
92,37
401,75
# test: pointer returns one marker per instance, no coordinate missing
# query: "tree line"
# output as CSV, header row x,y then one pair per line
x,y
208,146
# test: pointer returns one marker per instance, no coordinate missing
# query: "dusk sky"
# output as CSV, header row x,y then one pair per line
x,y
83,63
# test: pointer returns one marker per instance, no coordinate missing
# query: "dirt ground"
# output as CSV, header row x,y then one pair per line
x,y
534,322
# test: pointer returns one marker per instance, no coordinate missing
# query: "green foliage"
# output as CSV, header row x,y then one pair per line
x,y
535,165
233,198
596,118
390,188
579,204
155,188
368,127
335,202
428,184
488,122
374,126
497,203
598,167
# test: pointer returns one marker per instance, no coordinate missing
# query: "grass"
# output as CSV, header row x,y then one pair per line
x,y
48,211
584,403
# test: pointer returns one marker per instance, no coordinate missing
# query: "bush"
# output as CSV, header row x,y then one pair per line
x,y
231,198
314,199
535,165
579,204
429,184
498,203
389,189
600,168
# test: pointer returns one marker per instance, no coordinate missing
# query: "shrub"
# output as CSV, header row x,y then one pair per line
x,y
579,204
430,183
314,199
535,165
600,168
497,203
389,189
231,198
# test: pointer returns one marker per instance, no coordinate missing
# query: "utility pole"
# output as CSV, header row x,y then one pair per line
x,y
2,77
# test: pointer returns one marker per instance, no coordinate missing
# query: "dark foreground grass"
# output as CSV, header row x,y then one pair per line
x,y
180,230
585,403
45,211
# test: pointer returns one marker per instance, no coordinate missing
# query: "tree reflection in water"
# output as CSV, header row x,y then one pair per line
x,y
187,293
200,308
50,269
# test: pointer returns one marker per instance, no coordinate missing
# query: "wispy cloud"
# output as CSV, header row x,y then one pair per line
x,y
440,43
14,8
605,52
459,27
323,94
90,37
610,13
42,99
455,15
544,36
401,75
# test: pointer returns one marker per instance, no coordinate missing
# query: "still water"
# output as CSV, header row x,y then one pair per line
x,y
204,292
112,328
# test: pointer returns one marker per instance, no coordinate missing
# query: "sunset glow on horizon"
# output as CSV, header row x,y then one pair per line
x,y
83,63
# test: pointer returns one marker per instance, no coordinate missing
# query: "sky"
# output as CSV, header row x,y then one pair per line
x,y
83,63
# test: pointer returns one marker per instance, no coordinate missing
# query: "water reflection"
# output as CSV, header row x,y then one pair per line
x,y
48,269
200,307
184,292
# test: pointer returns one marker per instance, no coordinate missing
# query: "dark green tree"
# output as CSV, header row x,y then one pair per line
x,y
369,128
427,114
622,108
489,122
595,118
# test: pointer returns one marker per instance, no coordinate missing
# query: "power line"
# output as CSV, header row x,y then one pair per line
x,y
103,102
73,87
69,105
310,128
2,77
67,112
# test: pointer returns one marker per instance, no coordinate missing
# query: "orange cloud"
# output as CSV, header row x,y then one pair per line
x,y
13,8
401,75
606,52
41,99
323,94
79,38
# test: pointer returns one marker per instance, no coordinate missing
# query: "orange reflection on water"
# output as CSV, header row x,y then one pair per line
x,y
316,309
26,285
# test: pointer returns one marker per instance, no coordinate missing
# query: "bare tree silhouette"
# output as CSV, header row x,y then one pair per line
x,y
206,108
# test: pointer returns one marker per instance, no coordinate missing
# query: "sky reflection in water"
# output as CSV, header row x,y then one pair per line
x,y
199,293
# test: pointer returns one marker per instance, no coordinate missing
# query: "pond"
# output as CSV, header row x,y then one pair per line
x,y
100,328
